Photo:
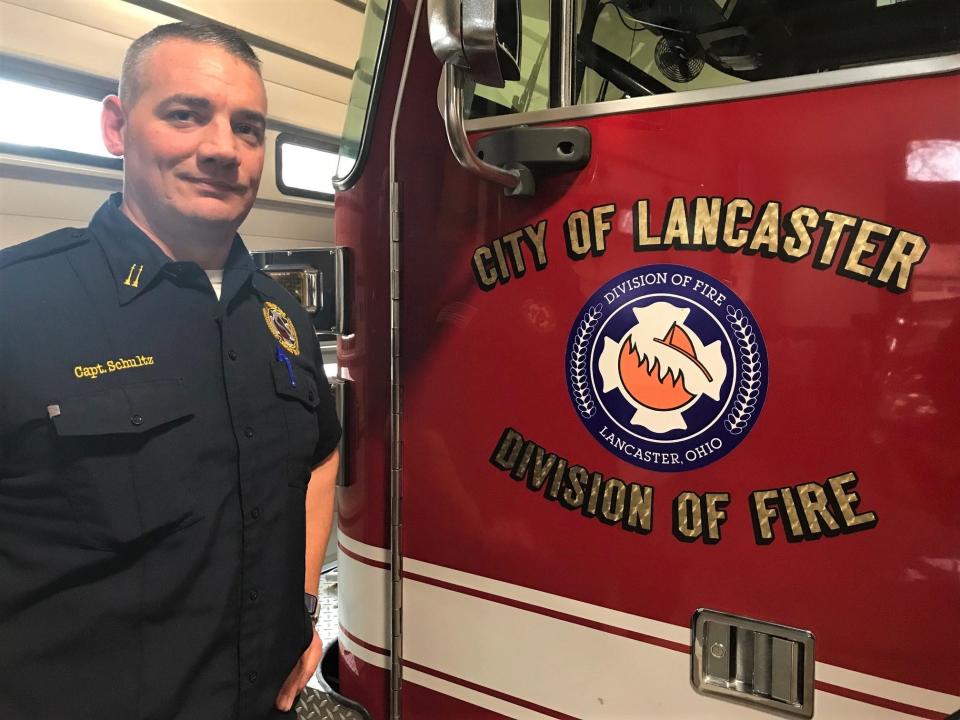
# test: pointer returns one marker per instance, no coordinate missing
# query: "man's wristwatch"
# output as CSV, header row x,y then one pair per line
x,y
312,604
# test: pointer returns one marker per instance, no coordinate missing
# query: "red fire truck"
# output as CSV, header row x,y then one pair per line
x,y
652,376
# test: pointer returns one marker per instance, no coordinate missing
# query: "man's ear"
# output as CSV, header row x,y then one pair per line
x,y
112,125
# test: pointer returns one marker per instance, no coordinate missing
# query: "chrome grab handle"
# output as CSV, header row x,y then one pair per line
x,y
340,287
452,83
312,295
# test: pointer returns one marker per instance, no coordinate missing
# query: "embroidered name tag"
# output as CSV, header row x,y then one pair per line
x,y
92,372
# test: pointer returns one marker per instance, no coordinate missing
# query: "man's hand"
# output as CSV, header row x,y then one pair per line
x,y
297,679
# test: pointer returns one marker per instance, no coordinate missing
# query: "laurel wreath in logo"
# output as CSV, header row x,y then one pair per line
x,y
748,389
578,362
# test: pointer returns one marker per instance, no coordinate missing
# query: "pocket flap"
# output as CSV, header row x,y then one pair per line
x,y
122,410
295,382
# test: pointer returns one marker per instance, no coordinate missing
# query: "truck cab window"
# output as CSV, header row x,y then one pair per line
x,y
634,48
364,92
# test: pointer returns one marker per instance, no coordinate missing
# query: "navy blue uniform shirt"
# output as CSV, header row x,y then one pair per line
x,y
156,449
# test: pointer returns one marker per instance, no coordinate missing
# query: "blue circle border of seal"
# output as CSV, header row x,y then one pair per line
x,y
743,392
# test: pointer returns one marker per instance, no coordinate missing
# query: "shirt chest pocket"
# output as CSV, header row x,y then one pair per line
x,y
298,393
123,457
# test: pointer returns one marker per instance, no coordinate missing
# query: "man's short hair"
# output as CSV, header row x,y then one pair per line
x,y
223,36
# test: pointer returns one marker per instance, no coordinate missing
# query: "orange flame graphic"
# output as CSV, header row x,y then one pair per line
x,y
648,384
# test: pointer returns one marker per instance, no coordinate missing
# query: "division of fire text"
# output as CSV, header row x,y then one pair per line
x,y
805,511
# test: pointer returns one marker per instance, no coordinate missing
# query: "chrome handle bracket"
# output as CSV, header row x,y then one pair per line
x,y
541,150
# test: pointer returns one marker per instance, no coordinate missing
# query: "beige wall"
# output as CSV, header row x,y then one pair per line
x,y
91,36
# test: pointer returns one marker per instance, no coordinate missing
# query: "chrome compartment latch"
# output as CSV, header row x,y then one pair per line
x,y
753,662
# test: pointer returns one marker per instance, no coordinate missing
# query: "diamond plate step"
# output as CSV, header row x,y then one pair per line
x,y
318,705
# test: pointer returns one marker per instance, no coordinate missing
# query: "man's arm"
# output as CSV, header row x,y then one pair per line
x,y
320,495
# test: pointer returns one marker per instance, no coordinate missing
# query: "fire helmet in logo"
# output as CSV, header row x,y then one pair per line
x,y
666,367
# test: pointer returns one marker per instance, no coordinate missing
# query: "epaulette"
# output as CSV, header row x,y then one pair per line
x,y
49,244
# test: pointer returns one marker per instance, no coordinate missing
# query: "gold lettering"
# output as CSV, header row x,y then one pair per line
x,y
507,450
572,497
520,468
536,237
762,513
862,246
794,527
482,259
803,220
553,489
847,501
766,233
590,509
541,469
687,518
512,241
813,502
577,232
639,511
642,239
716,515
907,250
706,221
501,261
838,223
738,210
676,229
601,226
614,496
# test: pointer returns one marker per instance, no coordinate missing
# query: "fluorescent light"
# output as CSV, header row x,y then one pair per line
x,y
306,168
38,117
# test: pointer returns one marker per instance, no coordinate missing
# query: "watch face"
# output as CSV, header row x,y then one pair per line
x,y
310,602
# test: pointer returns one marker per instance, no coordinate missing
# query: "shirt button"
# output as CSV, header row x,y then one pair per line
x,y
232,354
136,420
254,594
248,431
252,677
255,513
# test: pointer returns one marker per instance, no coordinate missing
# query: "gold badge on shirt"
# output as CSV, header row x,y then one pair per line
x,y
281,327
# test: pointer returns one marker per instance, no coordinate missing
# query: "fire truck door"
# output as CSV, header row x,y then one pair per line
x,y
711,369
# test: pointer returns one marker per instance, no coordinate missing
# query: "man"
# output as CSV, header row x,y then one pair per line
x,y
168,434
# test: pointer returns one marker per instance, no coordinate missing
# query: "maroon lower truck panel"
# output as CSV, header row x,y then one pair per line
x,y
861,379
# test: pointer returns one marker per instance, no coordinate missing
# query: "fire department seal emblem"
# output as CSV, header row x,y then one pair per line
x,y
281,327
666,368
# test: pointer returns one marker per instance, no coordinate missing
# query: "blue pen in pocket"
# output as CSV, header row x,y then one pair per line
x,y
282,357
